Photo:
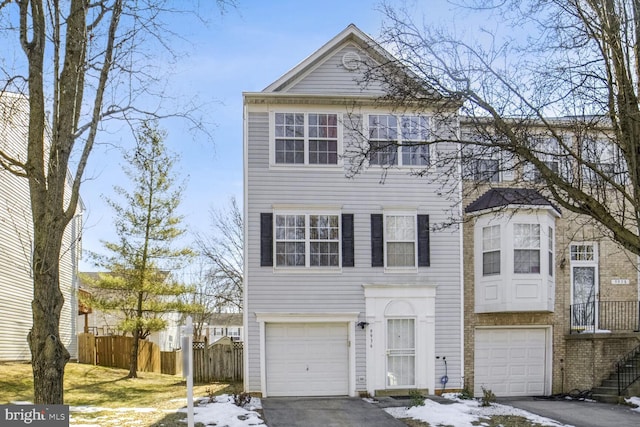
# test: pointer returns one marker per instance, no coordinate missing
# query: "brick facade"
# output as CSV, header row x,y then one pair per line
x,y
578,360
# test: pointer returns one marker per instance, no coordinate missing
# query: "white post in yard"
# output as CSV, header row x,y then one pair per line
x,y
187,366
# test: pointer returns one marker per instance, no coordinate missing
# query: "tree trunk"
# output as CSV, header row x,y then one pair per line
x,y
133,361
48,354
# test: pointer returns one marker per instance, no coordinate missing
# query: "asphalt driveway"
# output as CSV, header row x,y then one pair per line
x,y
578,413
325,412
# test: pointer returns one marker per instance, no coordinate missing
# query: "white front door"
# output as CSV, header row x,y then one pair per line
x,y
401,353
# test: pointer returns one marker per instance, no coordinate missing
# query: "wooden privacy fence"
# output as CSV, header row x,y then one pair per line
x,y
115,351
171,362
220,361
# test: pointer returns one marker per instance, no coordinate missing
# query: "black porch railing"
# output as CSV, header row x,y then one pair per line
x,y
628,370
614,316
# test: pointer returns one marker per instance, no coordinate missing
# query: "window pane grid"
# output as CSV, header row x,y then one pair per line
x,y
313,135
323,152
416,155
290,240
294,233
324,236
582,253
389,146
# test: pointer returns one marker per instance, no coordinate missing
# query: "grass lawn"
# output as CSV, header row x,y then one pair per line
x,y
108,388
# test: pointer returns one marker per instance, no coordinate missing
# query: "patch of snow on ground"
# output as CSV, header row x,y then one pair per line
x,y
223,412
463,413
634,401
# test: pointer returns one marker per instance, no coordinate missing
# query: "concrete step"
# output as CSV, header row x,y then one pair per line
x,y
607,398
610,382
611,391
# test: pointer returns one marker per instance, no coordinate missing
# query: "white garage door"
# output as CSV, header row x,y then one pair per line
x,y
510,362
307,359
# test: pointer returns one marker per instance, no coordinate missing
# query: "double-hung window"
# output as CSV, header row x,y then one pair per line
x,y
605,161
548,151
480,163
306,138
526,248
491,250
400,238
398,140
307,240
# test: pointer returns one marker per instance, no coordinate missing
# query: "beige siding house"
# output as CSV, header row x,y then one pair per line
x,y
551,303
351,286
16,281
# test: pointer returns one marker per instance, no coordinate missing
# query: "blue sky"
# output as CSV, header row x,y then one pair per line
x,y
244,50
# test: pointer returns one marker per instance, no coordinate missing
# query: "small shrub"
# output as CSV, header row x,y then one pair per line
x,y
417,399
211,395
487,397
465,394
241,399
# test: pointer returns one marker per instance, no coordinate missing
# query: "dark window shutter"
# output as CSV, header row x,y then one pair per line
x,y
377,241
423,241
347,240
266,240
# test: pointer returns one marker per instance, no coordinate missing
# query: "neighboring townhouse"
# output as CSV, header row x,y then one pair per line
x,y
551,303
16,236
351,284
224,325
98,322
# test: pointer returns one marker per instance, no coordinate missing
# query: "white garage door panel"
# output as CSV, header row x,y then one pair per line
x,y
510,362
307,359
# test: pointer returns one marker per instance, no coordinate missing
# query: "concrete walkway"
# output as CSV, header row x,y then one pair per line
x,y
578,413
325,412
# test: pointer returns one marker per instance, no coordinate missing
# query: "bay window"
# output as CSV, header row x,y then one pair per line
x,y
526,248
491,250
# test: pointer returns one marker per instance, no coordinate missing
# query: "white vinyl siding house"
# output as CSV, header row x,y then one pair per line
x,y
337,262
16,279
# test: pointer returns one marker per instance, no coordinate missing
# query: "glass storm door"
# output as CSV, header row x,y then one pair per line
x,y
401,353
584,298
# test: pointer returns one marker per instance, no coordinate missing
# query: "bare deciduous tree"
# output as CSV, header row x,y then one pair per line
x,y
557,105
223,255
84,62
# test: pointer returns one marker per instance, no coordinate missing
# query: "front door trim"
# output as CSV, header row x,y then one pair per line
x,y
389,301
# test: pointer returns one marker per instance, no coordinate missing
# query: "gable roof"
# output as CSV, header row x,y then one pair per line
x,y
504,197
382,59
226,319
349,34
